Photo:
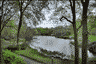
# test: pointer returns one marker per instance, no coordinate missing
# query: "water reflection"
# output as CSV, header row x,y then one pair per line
x,y
51,43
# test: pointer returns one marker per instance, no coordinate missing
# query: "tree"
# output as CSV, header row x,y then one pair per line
x,y
35,21
75,31
85,31
3,20
83,21
9,14
1,54
21,15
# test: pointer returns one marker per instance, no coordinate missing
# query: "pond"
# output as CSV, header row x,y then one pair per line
x,y
50,43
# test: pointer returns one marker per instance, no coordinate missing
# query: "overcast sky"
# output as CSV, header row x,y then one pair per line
x,y
50,24
48,13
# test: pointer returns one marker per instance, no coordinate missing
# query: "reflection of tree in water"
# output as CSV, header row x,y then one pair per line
x,y
49,42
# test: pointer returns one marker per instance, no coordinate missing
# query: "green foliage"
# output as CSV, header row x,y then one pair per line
x,y
92,38
11,23
92,21
44,31
35,31
9,30
93,25
22,31
10,33
94,59
17,3
12,58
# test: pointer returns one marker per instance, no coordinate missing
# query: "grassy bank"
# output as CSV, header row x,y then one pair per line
x,y
29,52
35,55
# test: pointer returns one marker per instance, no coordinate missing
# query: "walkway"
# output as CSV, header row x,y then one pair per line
x,y
29,61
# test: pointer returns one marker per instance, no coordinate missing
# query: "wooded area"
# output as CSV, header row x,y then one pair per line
x,y
9,16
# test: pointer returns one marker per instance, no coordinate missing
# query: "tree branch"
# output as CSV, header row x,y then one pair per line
x,y
7,12
79,27
26,6
66,19
71,5
82,2
7,22
19,3
78,3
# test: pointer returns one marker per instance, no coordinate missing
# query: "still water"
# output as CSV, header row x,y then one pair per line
x,y
50,43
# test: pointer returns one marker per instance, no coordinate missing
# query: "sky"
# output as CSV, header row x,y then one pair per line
x,y
47,23
50,24
48,13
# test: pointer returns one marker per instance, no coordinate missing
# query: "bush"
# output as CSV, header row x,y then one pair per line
x,y
16,47
11,58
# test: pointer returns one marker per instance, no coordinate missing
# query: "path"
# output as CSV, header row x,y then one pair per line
x,y
29,61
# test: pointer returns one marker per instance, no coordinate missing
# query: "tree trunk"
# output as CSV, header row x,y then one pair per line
x,y
1,48
75,35
0,43
76,46
20,23
84,32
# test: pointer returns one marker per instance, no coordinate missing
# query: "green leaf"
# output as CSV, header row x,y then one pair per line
x,y
17,3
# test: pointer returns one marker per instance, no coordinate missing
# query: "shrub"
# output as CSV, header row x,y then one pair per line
x,y
16,47
11,58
